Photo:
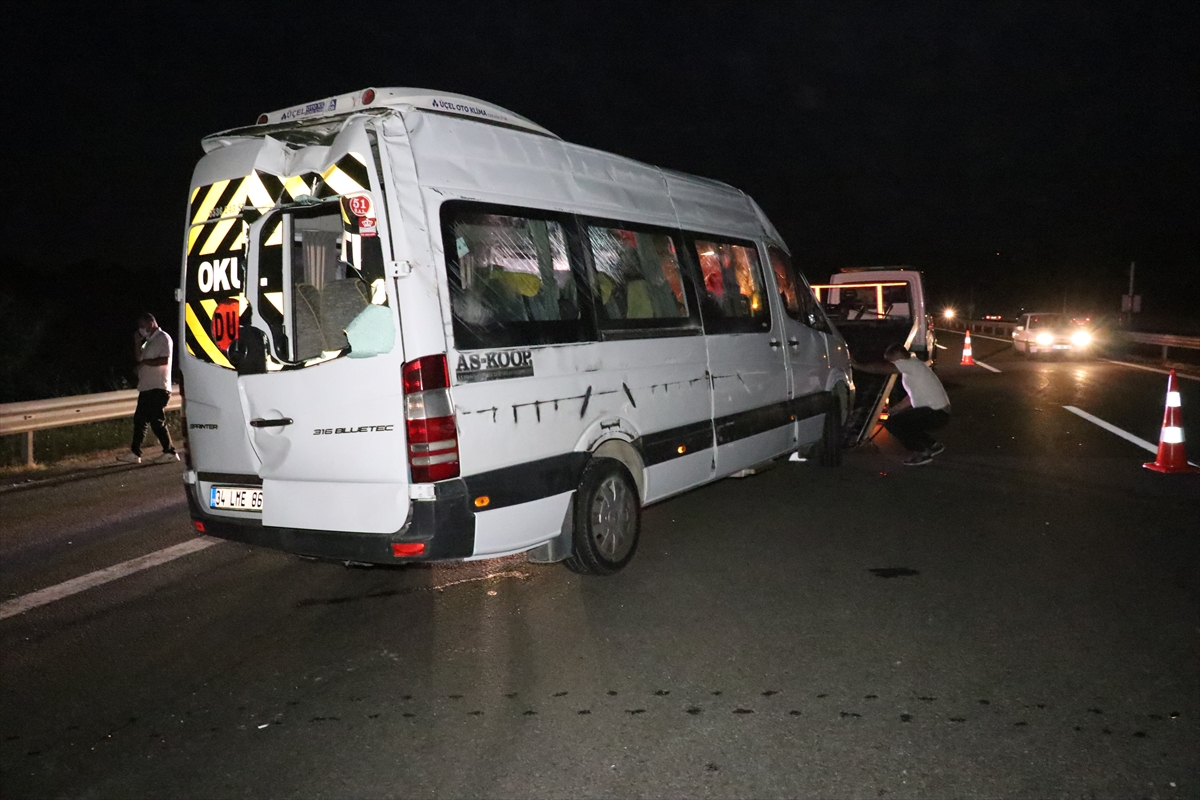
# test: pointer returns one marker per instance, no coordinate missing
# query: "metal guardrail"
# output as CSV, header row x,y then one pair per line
x,y
994,327
60,412
1163,340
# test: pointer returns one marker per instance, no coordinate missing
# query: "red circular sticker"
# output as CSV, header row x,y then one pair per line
x,y
225,324
360,205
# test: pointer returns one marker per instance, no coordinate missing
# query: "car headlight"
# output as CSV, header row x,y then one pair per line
x,y
1081,338
1044,338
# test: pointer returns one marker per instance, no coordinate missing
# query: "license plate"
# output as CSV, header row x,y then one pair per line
x,y
236,498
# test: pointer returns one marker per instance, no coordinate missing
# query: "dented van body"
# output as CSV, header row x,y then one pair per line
x,y
419,327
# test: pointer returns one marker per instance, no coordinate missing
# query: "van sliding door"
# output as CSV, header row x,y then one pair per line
x,y
746,354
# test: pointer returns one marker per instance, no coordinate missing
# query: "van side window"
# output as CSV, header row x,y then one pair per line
x,y
785,279
511,277
733,298
798,299
637,275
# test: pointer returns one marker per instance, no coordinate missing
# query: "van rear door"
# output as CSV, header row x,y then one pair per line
x,y
325,407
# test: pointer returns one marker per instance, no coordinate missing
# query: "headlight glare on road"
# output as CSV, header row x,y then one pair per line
x,y
1081,338
1044,338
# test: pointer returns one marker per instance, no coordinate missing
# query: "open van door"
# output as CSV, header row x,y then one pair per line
x,y
319,356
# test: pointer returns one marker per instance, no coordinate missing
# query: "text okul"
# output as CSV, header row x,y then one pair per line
x,y
218,275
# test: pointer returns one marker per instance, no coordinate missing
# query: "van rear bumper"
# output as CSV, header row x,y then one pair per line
x,y
445,525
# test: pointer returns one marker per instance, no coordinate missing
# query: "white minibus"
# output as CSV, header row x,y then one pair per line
x,y
421,327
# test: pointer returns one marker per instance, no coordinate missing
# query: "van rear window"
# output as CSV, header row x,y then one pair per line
x,y
512,281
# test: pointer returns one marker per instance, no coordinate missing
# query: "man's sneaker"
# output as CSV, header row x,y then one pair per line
x,y
937,449
129,458
167,457
918,459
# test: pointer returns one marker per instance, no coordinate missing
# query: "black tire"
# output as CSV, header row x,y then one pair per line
x,y
607,519
829,448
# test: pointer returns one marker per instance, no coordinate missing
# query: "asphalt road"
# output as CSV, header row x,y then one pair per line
x,y
1018,619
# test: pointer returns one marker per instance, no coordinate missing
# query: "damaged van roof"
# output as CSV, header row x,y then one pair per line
x,y
383,98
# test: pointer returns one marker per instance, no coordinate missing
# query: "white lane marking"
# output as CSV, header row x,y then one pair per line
x,y
940,346
19,605
1152,369
979,363
1142,443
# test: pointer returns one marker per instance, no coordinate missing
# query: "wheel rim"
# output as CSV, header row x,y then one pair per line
x,y
613,518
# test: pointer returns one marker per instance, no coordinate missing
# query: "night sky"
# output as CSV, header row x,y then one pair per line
x,y
1022,154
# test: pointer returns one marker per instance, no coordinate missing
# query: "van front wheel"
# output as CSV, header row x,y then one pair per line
x,y
829,448
608,519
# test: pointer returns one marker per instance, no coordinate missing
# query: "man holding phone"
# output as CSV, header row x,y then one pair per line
x,y
152,349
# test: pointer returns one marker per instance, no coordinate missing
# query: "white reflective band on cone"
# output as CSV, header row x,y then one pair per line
x,y
1173,400
1172,435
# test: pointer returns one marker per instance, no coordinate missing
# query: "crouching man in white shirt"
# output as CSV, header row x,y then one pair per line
x,y
152,349
925,409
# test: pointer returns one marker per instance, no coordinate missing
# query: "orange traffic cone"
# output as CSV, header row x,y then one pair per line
x,y
1171,457
968,360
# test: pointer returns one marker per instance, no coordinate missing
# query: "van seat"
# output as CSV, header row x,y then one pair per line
x,y
341,302
638,302
525,284
310,339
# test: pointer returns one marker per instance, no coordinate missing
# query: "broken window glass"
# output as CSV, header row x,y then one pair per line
x,y
313,291
637,275
511,279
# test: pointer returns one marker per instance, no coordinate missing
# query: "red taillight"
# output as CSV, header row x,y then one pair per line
x,y
262,119
368,97
198,525
404,549
429,413
427,372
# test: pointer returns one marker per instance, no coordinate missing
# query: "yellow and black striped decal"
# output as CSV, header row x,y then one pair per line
x,y
220,215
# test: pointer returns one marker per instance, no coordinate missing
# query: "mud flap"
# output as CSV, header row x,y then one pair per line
x,y
558,548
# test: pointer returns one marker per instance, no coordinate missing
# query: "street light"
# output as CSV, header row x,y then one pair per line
x,y
948,313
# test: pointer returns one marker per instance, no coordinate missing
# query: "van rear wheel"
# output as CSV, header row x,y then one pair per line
x,y
608,519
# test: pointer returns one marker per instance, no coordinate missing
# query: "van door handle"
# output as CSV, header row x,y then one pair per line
x,y
775,344
794,342
271,423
